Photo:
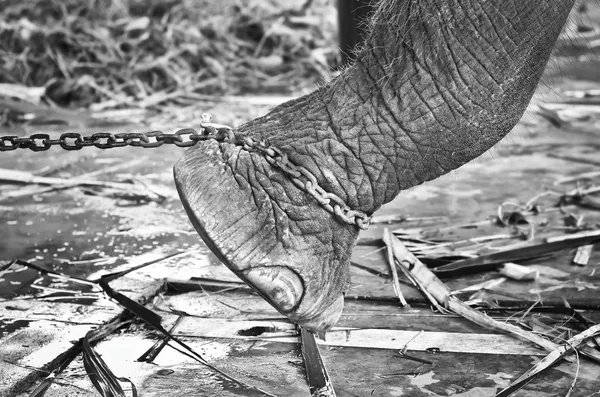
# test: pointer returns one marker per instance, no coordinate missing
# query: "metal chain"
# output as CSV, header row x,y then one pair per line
x,y
105,140
299,175
305,180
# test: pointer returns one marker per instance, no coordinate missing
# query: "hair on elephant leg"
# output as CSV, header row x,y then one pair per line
x,y
437,83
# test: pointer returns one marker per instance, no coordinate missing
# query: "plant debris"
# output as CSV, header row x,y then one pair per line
x,y
393,270
518,272
125,53
130,191
495,260
316,373
101,376
434,288
65,359
582,256
554,356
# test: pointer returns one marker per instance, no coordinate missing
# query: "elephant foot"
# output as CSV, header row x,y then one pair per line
x,y
272,235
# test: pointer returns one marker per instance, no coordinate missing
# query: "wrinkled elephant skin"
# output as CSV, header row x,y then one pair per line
x,y
272,235
437,83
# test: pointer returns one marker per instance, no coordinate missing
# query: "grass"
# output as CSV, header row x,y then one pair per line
x,y
114,53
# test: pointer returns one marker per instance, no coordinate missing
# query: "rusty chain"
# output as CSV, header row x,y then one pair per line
x,y
186,137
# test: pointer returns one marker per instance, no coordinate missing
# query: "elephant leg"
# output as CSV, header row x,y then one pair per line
x,y
267,231
437,83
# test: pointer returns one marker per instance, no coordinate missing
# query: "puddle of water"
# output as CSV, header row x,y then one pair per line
x,y
256,331
16,281
423,380
21,281
265,349
234,387
8,327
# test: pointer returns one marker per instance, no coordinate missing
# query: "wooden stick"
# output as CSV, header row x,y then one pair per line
x,y
442,294
279,331
316,373
566,237
438,290
555,355
27,178
416,282
393,270
583,255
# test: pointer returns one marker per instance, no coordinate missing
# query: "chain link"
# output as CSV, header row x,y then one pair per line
x,y
305,180
299,175
103,140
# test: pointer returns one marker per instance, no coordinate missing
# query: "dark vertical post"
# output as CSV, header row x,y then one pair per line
x,y
352,26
